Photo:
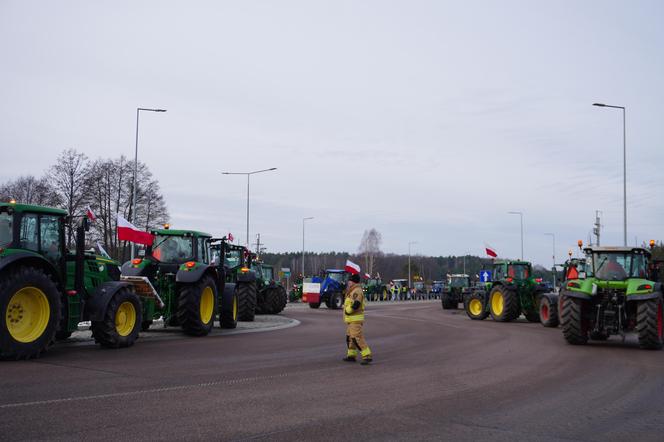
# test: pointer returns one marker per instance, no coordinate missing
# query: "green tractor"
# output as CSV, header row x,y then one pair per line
x,y
612,297
45,290
184,286
454,291
512,291
271,295
236,261
375,290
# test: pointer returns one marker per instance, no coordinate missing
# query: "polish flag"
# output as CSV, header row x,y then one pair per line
x,y
230,237
351,267
490,251
128,232
90,214
367,276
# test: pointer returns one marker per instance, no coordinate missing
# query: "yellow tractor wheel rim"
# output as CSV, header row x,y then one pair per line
x,y
125,318
497,303
234,308
207,304
475,307
27,315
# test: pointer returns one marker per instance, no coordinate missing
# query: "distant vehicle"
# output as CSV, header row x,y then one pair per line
x,y
331,290
458,286
437,289
420,290
402,287
375,290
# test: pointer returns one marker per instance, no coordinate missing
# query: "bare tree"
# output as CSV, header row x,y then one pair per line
x,y
370,248
29,190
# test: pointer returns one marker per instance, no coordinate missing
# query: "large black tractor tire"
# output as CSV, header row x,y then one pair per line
x,y
280,300
314,304
503,304
247,301
121,323
447,300
197,305
476,306
336,301
575,326
649,324
228,310
30,309
548,312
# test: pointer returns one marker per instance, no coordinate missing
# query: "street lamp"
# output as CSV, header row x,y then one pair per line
x,y
133,201
248,174
553,236
409,244
624,168
521,215
303,220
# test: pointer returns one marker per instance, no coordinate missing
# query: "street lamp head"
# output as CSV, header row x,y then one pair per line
x,y
599,104
160,110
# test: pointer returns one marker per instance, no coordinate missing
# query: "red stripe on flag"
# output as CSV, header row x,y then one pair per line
x,y
491,253
136,236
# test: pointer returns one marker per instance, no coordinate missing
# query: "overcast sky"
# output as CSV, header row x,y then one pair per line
x,y
428,120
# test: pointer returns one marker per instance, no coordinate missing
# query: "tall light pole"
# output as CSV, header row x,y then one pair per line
x,y
133,200
248,174
521,215
553,236
409,244
303,220
624,168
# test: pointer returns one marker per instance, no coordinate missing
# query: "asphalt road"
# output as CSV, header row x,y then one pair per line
x,y
437,376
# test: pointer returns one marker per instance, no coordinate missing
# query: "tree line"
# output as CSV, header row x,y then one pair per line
x,y
105,185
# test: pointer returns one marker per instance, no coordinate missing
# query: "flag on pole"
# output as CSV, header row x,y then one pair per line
x,y
90,214
490,251
230,237
351,267
128,232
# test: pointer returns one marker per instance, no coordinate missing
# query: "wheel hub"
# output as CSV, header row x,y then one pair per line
x,y
27,314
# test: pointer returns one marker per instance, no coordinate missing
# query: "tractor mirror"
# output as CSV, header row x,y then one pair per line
x,y
582,275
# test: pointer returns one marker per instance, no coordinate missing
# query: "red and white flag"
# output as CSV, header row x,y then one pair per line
x,y
230,237
367,276
351,267
128,232
490,251
90,214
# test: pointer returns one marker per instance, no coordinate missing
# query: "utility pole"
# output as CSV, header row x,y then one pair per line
x,y
258,244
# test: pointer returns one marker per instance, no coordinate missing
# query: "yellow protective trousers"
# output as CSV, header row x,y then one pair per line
x,y
355,341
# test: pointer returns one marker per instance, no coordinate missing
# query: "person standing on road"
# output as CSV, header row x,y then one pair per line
x,y
354,319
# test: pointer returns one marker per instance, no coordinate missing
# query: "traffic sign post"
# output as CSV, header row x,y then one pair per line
x,y
485,276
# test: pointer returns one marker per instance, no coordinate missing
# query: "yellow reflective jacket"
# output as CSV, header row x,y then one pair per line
x,y
354,294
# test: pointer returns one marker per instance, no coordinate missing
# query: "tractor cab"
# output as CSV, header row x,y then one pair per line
x,y
458,281
513,272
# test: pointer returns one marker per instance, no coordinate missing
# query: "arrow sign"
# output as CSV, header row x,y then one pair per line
x,y
485,276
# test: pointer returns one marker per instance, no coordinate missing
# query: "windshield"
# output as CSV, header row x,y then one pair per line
x,y
615,266
518,271
437,284
268,273
173,249
232,259
339,277
5,229
419,285
459,281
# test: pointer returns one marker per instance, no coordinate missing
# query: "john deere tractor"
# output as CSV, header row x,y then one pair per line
x,y
236,261
271,295
375,290
188,288
512,292
455,289
612,297
45,290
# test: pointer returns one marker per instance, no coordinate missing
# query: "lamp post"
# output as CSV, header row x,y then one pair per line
x,y
248,174
553,236
409,244
624,168
520,215
303,220
133,200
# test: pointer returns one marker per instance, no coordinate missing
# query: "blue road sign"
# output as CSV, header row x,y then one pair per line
x,y
485,276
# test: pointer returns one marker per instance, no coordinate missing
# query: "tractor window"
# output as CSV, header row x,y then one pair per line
x,y
232,259
339,277
619,266
203,250
28,236
268,273
173,249
518,271
459,282
6,229
49,237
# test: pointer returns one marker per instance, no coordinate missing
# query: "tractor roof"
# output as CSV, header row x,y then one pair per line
x,y
511,261
399,280
605,249
172,232
334,271
34,209
459,275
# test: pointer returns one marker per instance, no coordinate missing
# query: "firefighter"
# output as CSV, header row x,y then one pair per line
x,y
354,319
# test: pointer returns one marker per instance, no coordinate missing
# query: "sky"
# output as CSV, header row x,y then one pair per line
x,y
427,120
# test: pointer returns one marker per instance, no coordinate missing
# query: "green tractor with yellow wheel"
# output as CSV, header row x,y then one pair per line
x,y
182,283
271,295
236,263
46,290
512,291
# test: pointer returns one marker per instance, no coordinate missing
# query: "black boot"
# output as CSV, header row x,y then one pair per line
x,y
366,361
349,359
